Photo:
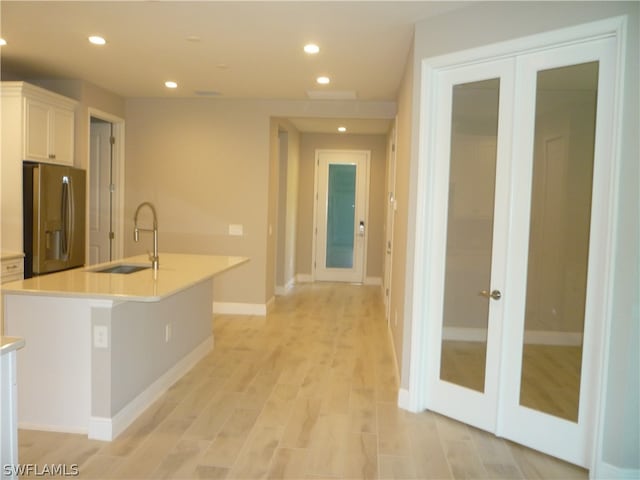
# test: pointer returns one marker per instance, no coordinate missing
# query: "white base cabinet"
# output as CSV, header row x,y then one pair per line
x,y
8,404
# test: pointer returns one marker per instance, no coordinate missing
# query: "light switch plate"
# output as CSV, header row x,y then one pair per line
x,y
236,230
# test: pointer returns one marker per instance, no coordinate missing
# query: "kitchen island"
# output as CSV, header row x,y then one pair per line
x,y
101,346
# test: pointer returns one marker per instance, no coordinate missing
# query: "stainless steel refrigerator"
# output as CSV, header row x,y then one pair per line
x,y
54,218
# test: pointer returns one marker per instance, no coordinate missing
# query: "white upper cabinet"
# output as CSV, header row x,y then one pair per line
x,y
47,122
48,128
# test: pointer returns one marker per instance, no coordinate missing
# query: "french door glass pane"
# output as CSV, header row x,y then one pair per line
x,y
340,216
472,174
559,239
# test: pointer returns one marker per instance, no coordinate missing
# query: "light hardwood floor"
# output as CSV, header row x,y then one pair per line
x,y
307,392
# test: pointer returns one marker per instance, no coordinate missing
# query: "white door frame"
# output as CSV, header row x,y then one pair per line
x,y
314,249
391,214
415,398
118,178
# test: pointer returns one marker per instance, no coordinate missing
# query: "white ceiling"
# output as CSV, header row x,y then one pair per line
x,y
244,49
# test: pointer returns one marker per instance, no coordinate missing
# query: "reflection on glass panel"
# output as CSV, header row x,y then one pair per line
x,y
559,239
472,171
340,216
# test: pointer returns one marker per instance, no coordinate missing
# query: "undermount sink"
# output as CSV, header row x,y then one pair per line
x,y
122,268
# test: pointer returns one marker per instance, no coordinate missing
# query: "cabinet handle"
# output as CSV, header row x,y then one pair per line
x,y
52,156
12,267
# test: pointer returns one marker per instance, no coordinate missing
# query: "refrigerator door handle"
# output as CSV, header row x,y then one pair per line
x,y
66,216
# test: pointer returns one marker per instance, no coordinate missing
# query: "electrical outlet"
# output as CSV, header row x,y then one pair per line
x,y
100,336
167,332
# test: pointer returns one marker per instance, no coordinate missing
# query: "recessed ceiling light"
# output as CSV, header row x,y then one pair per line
x,y
323,80
2,42
342,129
170,84
311,48
96,40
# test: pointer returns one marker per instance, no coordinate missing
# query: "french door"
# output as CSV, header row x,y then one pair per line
x,y
342,181
520,203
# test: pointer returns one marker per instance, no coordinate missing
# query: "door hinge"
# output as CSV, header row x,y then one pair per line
x,y
112,140
112,187
393,147
112,235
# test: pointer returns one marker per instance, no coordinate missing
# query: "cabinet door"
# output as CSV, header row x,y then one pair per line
x,y
49,133
36,125
62,136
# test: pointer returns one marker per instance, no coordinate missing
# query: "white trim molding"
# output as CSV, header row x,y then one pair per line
x,y
404,401
284,289
531,337
231,308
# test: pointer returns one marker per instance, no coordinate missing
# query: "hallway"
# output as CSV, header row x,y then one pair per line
x,y
307,392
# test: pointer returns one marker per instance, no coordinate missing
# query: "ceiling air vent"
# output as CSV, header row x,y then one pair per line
x,y
207,93
331,94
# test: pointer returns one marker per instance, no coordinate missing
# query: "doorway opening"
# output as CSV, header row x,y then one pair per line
x,y
106,188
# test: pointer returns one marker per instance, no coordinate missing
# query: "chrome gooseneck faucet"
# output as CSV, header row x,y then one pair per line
x,y
155,259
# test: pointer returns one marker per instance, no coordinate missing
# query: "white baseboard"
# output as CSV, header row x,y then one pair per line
x,y
50,428
373,281
304,278
284,289
531,337
104,428
229,308
611,472
403,399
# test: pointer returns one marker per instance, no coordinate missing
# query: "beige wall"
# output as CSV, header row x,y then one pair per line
x,y
399,322
288,142
309,143
208,163
509,20
205,165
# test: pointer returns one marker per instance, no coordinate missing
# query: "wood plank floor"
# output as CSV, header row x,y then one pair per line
x,y
307,392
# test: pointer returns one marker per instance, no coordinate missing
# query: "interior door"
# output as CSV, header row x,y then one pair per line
x,y
552,338
342,179
524,184
474,124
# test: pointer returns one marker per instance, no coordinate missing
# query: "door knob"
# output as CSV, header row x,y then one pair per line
x,y
495,294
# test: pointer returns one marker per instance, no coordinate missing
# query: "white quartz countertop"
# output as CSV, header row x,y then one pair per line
x,y
177,272
9,344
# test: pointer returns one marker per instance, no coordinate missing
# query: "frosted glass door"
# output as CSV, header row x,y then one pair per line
x,y
341,215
